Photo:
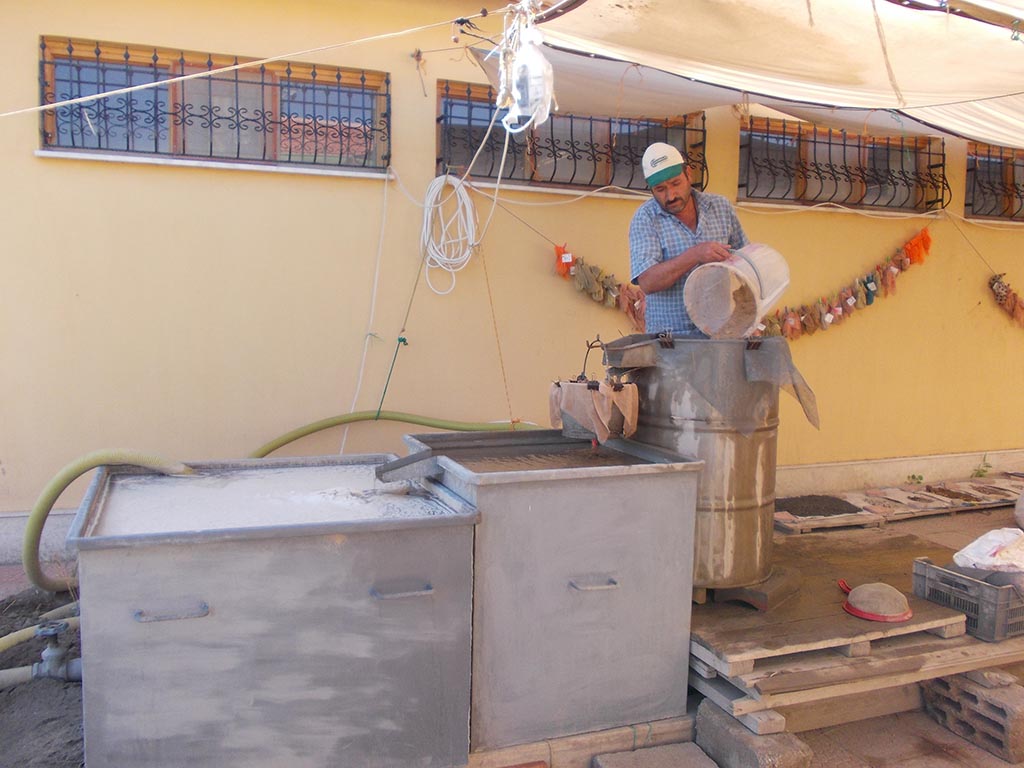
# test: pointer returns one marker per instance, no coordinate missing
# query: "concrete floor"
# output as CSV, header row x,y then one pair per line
x,y
913,739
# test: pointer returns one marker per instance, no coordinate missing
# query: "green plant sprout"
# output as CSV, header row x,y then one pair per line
x,y
983,468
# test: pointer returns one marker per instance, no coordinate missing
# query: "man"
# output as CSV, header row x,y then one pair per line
x,y
677,230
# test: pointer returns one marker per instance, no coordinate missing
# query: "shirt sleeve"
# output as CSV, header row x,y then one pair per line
x,y
737,237
645,248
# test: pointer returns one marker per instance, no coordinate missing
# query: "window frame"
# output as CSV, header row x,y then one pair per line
x,y
829,165
1008,190
537,149
367,92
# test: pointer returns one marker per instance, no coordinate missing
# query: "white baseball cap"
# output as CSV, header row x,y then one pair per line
x,y
661,162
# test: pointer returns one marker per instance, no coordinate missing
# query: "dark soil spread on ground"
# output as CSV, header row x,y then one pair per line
x,y
815,505
40,721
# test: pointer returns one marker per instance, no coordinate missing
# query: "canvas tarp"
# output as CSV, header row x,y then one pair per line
x,y
868,65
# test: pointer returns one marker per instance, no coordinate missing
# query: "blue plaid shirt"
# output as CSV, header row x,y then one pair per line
x,y
655,236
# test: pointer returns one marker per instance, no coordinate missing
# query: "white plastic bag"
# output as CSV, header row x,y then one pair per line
x,y
532,85
999,550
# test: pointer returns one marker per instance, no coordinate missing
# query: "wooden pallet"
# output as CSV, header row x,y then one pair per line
x,y
880,505
788,523
734,653
759,665
826,675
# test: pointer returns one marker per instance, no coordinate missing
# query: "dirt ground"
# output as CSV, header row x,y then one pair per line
x,y
40,721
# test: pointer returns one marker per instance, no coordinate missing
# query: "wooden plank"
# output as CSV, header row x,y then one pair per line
x,y
915,499
993,491
850,709
764,723
782,674
578,751
719,691
892,649
868,501
952,629
1009,482
792,524
835,629
969,654
860,648
728,668
702,668
798,681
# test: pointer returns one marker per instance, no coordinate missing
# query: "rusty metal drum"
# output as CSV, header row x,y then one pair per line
x,y
698,397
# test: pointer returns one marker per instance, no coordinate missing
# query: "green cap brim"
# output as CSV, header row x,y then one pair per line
x,y
664,174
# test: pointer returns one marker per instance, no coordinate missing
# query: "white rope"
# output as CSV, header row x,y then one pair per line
x,y
232,68
370,335
447,242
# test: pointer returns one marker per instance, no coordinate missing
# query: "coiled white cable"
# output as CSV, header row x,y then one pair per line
x,y
447,242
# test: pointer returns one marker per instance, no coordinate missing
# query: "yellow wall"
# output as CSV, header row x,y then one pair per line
x,y
196,313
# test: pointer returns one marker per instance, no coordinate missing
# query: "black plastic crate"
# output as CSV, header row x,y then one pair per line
x,y
993,613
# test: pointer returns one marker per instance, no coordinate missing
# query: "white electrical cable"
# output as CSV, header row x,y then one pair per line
x,y
447,242
440,247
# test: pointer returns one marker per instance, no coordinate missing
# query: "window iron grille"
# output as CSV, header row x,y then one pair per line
x,y
784,161
567,150
279,112
995,182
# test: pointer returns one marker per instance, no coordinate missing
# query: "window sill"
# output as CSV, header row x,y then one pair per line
x,y
506,186
995,221
836,208
182,162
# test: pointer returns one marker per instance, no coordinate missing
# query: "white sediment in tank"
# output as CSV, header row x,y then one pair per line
x,y
253,498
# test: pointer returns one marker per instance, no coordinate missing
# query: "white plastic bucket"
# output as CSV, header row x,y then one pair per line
x,y
727,299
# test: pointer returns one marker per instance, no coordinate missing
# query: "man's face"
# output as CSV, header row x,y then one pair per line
x,y
673,195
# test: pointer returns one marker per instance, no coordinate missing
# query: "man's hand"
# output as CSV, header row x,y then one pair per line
x,y
704,253
666,273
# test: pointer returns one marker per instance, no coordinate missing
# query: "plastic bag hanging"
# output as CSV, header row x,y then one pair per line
x,y
532,84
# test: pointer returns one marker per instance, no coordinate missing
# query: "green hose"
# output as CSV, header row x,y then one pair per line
x,y
408,418
53,490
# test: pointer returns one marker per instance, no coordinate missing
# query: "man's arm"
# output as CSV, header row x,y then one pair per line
x,y
667,273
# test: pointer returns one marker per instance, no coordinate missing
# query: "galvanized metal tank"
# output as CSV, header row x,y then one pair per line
x,y
696,398
274,612
581,580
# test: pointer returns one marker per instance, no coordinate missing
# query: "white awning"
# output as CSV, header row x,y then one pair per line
x,y
866,65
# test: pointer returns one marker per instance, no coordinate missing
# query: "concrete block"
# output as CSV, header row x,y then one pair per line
x,y
992,718
668,756
731,745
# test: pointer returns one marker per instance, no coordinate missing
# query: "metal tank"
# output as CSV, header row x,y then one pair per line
x,y
274,612
581,580
717,400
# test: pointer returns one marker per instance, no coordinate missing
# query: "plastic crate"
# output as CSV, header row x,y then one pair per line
x,y
993,613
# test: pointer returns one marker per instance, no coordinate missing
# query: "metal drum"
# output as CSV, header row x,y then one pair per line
x,y
697,398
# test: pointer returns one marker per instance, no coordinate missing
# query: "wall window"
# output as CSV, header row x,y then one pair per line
x,y
282,112
995,182
796,162
568,150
